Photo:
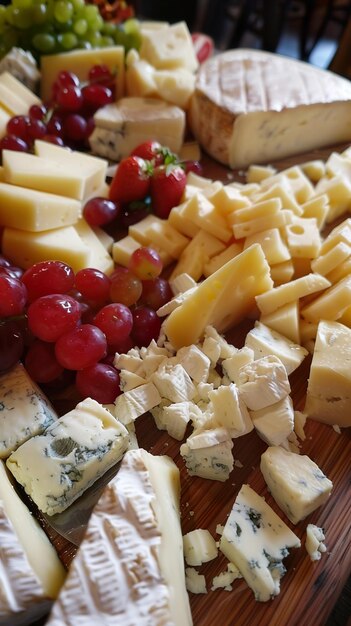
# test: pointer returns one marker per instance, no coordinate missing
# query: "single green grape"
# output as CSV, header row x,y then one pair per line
x,y
80,27
108,28
78,4
22,4
94,39
40,13
44,42
22,18
96,23
63,11
9,14
131,26
106,41
90,12
67,41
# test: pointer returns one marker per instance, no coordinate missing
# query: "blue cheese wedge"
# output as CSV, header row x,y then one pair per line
x,y
24,410
208,453
129,568
256,540
31,573
296,483
57,467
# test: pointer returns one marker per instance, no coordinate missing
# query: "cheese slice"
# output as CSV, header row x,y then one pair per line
x,y
25,411
15,97
31,573
222,300
120,127
129,568
329,389
57,467
252,106
99,257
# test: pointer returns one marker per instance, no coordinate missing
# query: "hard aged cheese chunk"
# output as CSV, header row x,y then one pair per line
x,y
129,568
263,382
296,483
24,410
31,573
256,540
208,453
120,127
56,467
36,211
80,62
222,299
329,386
250,106
314,544
25,248
199,547
264,342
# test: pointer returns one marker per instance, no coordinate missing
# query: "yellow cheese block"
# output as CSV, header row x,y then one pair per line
x,y
36,210
43,174
222,300
79,62
100,259
285,321
169,48
282,272
15,98
63,244
272,244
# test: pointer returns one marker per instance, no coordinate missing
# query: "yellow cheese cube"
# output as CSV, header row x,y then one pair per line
x,y
317,207
258,173
36,210
299,183
303,238
99,257
15,98
163,235
314,170
221,300
265,208
63,244
140,79
282,272
80,62
285,320
331,304
212,265
271,300
282,191
340,272
181,223
338,165
175,86
272,245
43,174
192,262
169,48
341,233
245,229
327,262
338,190
227,199
203,213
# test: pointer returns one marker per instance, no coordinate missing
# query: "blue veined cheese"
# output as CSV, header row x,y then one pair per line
x,y
263,382
265,341
314,544
22,65
256,540
31,573
57,467
296,483
24,410
208,453
129,568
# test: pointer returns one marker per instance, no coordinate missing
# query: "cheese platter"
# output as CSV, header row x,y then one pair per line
x,y
259,273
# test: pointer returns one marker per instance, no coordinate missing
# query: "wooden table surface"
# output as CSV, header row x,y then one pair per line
x,y
311,592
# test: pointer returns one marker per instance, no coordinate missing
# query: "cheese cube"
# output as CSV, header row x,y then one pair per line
x,y
231,366
204,214
208,454
314,170
264,342
303,238
174,383
228,409
296,289
134,120
340,272
195,582
57,467
296,483
327,262
280,190
272,244
328,392
175,86
15,98
263,382
161,233
285,321
36,211
180,222
314,544
331,304
131,404
99,257
169,48
24,248
226,199
247,228
275,423
140,78
175,418
258,173
199,547
80,62
317,207
282,273
338,190
341,233
256,540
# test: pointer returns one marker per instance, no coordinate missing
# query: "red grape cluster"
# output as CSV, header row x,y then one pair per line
x,y
67,120
59,322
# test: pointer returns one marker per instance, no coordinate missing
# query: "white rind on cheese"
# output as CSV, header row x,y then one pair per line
x,y
129,569
252,106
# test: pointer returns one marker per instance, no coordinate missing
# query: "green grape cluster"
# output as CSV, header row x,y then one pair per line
x,y
51,26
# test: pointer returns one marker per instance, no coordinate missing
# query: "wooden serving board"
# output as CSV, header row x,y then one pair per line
x,y
309,590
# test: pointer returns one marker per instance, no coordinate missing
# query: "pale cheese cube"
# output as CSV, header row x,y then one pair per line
x,y
257,173
341,233
140,78
131,404
338,190
263,382
216,262
15,97
175,302
266,208
208,454
232,365
317,207
327,262
169,48
226,199
285,320
264,342
225,579
195,582
195,363
175,86
314,543
273,246
129,380
211,348
303,238
199,547
314,169
281,189
299,183
251,227
199,210
176,417
192,260
180,222
173,382
275,423
99,257
296,483
282,273
182,283
228,409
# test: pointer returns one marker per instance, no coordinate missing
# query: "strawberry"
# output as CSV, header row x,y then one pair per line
x,y
167,186
131,181
153,151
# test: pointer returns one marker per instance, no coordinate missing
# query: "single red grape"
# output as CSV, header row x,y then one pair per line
x,y
93,285
100,382
96,95
146,326
99,74
70,98
75,127
82,347
116,321
18,126
51,316
55,139
38,112
10,142
36,129
11,344
145,263
66,79
13,296
100,211
156,293
125,288
48,277
55,126
41,363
